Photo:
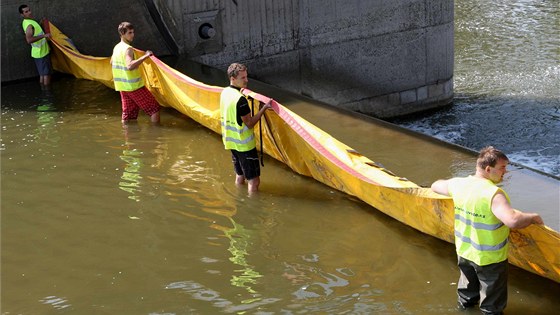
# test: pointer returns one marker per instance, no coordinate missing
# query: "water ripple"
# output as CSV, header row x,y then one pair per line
x,y
202,293
56,302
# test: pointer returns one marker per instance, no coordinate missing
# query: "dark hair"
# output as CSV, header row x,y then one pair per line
x,y
234,69
124,27
489,156
21,7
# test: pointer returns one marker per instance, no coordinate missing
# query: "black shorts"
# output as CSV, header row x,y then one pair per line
x,y
44,66
246,163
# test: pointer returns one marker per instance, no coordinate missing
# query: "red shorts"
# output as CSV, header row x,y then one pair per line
x,y
133,101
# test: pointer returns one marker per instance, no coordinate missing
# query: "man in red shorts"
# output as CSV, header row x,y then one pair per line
x,y
128,81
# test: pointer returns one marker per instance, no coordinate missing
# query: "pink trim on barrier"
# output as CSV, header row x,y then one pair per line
x,y
62,47
47,26
300,130
185,78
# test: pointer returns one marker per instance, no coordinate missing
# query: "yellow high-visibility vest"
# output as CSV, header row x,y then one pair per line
x,y
479,235
40,48
236,137
124,79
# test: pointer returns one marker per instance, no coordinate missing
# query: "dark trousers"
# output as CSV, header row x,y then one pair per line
x,y
487,284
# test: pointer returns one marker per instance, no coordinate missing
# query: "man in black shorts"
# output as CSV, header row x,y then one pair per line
x,y
237,128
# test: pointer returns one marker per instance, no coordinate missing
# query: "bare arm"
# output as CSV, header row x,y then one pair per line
x,y
514,219
132,63
29,31
251,121
440,186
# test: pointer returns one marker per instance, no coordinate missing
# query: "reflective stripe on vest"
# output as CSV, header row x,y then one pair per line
x,y
124,79
479,236
236,137
40,48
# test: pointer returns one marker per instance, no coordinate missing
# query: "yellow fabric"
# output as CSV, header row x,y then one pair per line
x,y
479,236
40,48
310,151
125,79
239,138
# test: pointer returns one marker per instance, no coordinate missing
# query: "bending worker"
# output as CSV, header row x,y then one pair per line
x,y
237,128
483,218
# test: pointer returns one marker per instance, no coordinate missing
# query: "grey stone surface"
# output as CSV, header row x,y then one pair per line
x,y
353,54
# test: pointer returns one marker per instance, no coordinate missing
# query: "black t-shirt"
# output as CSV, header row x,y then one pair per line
x,y
242,107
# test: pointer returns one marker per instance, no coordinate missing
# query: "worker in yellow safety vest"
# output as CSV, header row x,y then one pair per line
x,y
128,80
483,218
40,50
237,128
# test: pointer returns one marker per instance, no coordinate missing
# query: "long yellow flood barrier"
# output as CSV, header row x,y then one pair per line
x,y
310,151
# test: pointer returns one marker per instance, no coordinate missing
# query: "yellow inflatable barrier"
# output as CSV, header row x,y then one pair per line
x,y
309,151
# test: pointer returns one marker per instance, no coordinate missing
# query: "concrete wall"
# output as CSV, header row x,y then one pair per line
x,y
92,25
381,57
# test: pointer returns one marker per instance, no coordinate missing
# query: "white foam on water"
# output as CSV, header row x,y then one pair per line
x,y
537,160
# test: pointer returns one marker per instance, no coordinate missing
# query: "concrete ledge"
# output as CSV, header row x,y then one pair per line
x,y
405,102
